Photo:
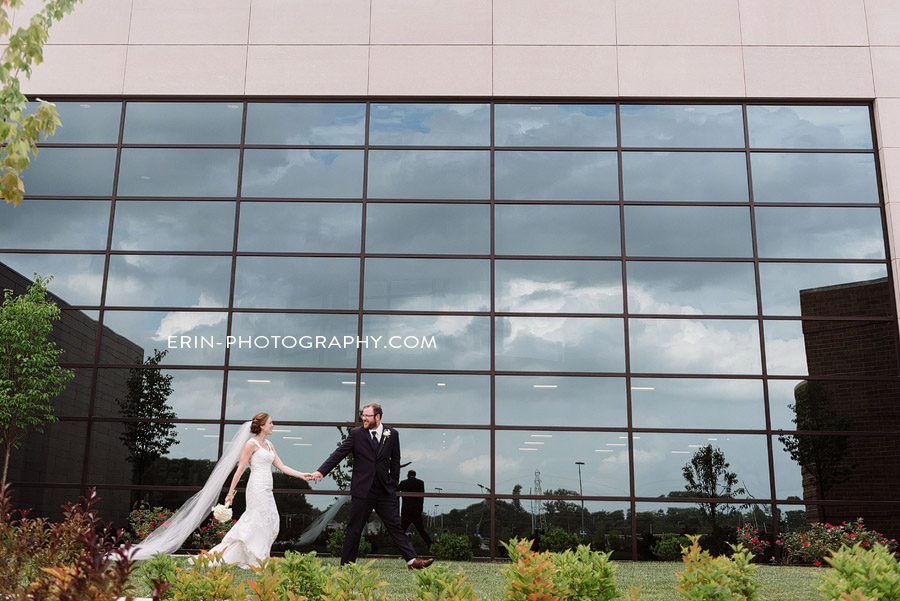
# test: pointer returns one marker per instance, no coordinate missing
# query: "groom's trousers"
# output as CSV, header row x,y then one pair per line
x,y
385,505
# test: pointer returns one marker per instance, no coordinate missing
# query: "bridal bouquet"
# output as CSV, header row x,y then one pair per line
x,y
222,513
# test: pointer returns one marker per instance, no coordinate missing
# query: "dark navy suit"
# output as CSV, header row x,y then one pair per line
x,y
376,471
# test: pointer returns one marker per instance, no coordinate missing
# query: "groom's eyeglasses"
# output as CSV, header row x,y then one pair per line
x,y
368,415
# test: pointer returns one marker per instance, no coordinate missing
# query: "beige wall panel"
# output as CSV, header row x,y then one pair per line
x,y
94,22
890,168
431,22
887,122
700,71
808,72
310,22
307,70
683,23
190,22
79,70
883,17
427,70
555,71
886,66
585,22
803,23
185,70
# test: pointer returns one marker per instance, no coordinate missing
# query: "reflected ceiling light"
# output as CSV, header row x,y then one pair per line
x,y
643,388
845,110
616,444
382,107
441,384
542,436
210,436
145,177
201,428
712,439
681,452
536,108
527,449
281,431
302,444
624,437
233,106
259,381
545,386
689,109
603,450
529,442
85,106
696,446
292,437
352,383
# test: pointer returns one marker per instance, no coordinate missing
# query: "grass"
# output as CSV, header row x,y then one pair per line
x,y
779,583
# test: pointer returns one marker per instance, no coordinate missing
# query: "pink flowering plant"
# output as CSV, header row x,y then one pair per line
x,y
820,540
141,522
210,535
750,536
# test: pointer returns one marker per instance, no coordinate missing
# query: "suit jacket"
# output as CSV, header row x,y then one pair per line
x,y
412,505
367,463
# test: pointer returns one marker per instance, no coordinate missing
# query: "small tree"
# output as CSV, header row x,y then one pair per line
x,y
708,477
19,133
30,375
147,398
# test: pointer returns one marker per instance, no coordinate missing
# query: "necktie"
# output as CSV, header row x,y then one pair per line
x,y
375,440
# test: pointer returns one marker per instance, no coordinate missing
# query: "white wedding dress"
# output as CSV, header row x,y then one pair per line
x,y
251,537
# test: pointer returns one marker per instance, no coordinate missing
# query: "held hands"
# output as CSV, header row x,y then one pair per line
x,y
316,476
306,476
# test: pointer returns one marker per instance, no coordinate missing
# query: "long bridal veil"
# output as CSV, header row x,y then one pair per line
x,y
169,536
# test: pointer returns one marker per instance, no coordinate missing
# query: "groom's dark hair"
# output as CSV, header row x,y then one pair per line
x,y
376,408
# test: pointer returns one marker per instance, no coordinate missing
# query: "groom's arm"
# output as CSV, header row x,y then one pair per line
x,y
395,457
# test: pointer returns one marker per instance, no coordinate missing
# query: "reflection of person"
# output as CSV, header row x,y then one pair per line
x,y
376,470
251,537
143,503
411,507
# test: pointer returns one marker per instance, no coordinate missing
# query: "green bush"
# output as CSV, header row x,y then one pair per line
x,y
668,547
722,578
210,535
873,571
355,582
585,574
821,540
157,569
207,578
452,546
557,540
438,583
304,574
530,576
141,522
749,536
335,544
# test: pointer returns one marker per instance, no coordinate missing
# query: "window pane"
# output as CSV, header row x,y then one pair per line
x,y
682,126
305,123
62,440
555,125
208,172
819,233
77,279
556,175
196,394
297,283
302,173
563,344
428,229
427,398
833,405
589,230
198,338
300,227
691,288
454,460
426,342
173,225
784,284
85,122
294,340
559,286
687,232
428,284
168,281
430,125
182,123
693,403
661,458
605,457
685,176
809,127
813,177
71,172
524,400
75,399
293,396
695,346
76,335
56,224
430,174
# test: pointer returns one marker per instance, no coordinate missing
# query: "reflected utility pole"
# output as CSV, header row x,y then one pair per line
x,y
581,492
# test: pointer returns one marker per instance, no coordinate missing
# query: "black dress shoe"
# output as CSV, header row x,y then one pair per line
x,y
418,564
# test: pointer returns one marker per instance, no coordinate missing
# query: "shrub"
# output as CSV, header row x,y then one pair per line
x,y
355,582
722,578
207,578
210,535
304,574
820,540
530,578
669,547
749,536
585,574
335,544
438,583
141,522
557,540
872,571
157,569
452,546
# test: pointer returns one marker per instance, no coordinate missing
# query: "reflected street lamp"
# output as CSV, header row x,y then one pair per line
x,y
581,492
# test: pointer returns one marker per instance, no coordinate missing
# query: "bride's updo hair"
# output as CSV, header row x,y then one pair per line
x,y
259,420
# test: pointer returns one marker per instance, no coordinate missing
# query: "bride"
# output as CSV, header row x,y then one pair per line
x,y
251,537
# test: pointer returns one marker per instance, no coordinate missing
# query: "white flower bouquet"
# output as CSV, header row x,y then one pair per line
x,y
222,513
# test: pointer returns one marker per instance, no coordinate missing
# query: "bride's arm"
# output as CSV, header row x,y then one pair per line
x,y
287,470
242,465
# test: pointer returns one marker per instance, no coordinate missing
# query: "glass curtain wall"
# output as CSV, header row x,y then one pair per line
x,y
588,316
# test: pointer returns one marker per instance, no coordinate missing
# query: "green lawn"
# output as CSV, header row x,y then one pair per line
x,y
779,583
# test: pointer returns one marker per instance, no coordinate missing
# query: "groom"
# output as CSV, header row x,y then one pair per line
x,y
376,470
